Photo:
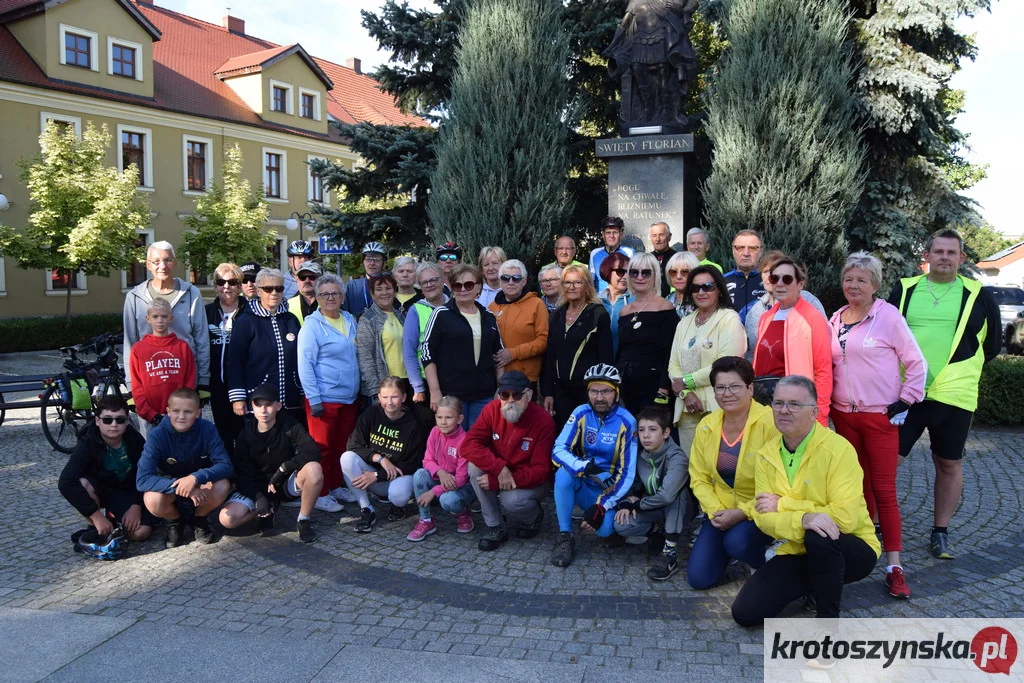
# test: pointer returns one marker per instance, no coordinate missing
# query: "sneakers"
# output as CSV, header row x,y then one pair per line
x,y
423,528
307,531
367,518
532,529
328,504
464,522
896,582
663,567
474,507
941,547
265,524
565,550
397,514
175,534
492,540
204,533
343,495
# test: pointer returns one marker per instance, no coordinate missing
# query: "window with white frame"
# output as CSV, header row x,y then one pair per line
x,y
309,104
124,58
57,282
277,255
275,174
281,97
135,146
61,120
197,163
315,183
138,273
78,47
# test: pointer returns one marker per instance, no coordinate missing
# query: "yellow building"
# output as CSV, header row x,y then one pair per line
x,y
174,92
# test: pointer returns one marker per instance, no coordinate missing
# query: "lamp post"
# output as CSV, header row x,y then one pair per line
x,y
297,220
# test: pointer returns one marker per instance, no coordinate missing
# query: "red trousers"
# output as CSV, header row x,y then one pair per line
x,y
877,442
330,431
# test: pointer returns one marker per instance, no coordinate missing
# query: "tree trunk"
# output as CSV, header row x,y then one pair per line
x,y
67,307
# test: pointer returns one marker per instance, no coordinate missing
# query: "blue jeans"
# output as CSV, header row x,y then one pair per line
x,y
451,501
472,410
569,491
714,548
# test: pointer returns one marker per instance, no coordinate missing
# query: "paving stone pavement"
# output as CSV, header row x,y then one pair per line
x,y
443,596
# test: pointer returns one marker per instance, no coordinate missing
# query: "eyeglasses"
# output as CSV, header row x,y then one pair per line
x,y
468,286
232,282
329,295
307,278
733,389
511,395
510,278
572,284
703,287
678,273
432,282
786,279
120,419
270,289
640,274
621,272
162,261
790,406
600,392
549,281
447,257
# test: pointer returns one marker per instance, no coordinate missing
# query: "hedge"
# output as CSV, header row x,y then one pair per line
x,y
41,334
1001,393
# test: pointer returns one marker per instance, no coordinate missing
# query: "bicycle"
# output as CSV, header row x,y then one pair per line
x,y
69,399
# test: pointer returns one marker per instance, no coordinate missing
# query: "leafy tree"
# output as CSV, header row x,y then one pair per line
x,y
84,215
981,240
501,155
781,117
229,222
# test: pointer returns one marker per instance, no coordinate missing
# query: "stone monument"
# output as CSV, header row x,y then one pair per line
x,y
655,63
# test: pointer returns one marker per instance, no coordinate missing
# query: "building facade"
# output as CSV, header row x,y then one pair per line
x,y
174,93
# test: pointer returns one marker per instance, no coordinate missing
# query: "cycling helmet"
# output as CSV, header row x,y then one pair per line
x,y
449,247
300,248
375,248
112,547
602,372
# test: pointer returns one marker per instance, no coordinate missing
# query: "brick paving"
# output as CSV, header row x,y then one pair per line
x,y
443,595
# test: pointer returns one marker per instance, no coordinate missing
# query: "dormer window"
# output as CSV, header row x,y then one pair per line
x,y
123,59
280,99
77,50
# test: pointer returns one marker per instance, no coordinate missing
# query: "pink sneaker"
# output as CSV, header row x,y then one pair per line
x,y
463,522
423,528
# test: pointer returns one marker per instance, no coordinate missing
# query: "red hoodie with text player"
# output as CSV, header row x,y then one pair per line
x,y
159,366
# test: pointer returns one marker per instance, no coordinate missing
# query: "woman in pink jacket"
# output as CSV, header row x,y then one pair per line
x,y
870,344
792,339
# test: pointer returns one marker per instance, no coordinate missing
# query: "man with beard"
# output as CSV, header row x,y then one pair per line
x,y
660,235
509,454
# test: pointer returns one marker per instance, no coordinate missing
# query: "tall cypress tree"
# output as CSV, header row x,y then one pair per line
x,y
787,160
502,154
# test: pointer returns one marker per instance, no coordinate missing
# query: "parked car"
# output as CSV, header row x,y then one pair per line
x,y
1011,304
1014,336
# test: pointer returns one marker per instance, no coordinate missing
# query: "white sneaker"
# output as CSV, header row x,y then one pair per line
x,y
328,504
343,495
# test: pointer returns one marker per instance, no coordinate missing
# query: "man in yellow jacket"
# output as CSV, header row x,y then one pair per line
x,y
810,498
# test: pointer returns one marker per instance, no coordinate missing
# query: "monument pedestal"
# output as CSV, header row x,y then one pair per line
x,y
646,182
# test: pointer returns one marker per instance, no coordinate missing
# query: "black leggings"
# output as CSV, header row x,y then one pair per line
x,y
821,572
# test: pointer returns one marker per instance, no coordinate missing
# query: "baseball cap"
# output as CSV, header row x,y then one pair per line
x,y
310,267
513,380
265,392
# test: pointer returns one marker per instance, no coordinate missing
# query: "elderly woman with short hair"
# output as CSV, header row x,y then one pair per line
x,y
221,314
489,261
404,272
550,280
379,338
678,270
523,323
431,280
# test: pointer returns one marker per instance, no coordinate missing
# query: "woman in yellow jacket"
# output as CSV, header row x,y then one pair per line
x,y
522,321
810,498
722,474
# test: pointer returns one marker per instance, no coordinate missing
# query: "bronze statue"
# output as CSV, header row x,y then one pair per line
x,y
652,55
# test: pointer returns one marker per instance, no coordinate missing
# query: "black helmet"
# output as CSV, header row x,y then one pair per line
x,y
112,547
300,248
449,247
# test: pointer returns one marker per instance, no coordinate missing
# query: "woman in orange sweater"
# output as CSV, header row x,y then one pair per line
x,y
523,323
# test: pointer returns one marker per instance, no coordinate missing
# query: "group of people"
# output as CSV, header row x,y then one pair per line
x,y
639,391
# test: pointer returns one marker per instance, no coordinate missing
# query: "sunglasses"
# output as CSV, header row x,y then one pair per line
x,y
269,289
307,278
248,280
640,274
677,273
510,278
231,282
786,279
703,287
621,272
447,257
468,286
120,419
511,395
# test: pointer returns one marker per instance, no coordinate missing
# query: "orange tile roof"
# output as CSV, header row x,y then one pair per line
x,y
185,62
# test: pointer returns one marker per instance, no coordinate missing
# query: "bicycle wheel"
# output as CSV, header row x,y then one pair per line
x,y
61,424
3,411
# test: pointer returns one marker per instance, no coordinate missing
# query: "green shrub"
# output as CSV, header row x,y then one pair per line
x,y
41,334
1001,393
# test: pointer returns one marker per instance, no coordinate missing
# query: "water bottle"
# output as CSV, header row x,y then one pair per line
x,y
65,397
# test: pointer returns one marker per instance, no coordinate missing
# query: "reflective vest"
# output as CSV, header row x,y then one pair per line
x,y
423,312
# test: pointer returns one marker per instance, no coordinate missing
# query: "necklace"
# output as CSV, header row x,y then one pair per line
x,y
937,299
576,317
633,319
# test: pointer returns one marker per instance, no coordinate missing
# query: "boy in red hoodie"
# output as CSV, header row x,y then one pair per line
x,y
160,363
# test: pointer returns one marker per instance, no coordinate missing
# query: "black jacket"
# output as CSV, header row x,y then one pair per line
x,y
220,341
87,461
256,355
448,344
571,353
403,441
258,456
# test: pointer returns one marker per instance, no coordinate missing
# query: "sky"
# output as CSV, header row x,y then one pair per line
x,y
332,29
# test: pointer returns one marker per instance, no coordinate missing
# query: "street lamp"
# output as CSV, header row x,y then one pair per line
x,y
297,220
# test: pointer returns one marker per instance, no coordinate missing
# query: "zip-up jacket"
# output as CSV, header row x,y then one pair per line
x,y
220,340
264,348
721,335
752,316
373,367
572,352
159,366
524,447
170,455
608,441
357,296
661,478
328,361
258,455
87,461
189,322
977,340
448,344
523,324
416,318
402,440
443,453
744,289
866,375
829,479
300,308
711,490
